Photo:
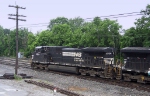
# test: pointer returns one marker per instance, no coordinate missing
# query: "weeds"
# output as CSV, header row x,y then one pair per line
x,y
17,77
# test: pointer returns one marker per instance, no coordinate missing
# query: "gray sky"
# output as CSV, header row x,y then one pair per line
x,y
41,11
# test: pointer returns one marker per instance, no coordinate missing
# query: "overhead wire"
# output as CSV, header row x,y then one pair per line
x,y
104,17
118,15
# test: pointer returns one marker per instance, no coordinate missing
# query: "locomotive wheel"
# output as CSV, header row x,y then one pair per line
x,y
126,77
141,79
41,67
82,71
46,68
112,74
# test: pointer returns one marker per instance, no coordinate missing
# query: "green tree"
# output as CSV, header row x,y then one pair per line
x,y
58,20
76,23
61,34
138,36
1,41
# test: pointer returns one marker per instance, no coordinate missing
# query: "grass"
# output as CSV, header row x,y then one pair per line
x,y
17,77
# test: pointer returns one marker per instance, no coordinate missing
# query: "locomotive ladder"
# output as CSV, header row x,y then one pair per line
x,y
118,70
108,71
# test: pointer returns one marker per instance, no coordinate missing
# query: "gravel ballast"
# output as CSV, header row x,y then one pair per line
x,y
31,89
80,86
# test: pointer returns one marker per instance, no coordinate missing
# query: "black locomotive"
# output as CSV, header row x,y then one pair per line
x,y
136,64
94,61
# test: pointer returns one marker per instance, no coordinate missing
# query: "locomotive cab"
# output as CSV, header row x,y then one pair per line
x,y
47,54
41,55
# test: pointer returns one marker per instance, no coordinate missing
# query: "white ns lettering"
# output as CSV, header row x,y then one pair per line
x,y
78,54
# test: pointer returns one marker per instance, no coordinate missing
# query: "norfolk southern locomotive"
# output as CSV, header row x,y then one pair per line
x,y
94,61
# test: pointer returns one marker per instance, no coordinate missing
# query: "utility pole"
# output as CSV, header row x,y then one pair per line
x,y
17,19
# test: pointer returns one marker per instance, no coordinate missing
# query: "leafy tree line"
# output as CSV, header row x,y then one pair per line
x,y
77,32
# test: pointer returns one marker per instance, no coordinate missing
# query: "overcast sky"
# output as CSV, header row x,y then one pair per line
x,y
41,11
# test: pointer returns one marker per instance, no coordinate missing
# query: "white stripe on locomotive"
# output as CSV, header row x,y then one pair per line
x,y
109,60
72,54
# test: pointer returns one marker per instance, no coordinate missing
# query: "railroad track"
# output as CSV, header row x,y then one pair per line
x,y
11,62
45,85
132,85
26,64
